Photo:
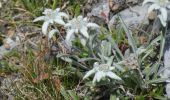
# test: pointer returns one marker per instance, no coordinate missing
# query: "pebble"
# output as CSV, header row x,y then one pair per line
x,y
152,15
7,46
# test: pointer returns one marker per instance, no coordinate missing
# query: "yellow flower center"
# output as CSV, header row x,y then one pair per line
x,y
78,23
51,15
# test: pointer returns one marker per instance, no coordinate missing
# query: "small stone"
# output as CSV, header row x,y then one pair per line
x,y
10,33
115,7
7,46
152,15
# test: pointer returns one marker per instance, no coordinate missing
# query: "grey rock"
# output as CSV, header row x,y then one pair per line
x,y
132,16
168,90
3,50
166,68
101,10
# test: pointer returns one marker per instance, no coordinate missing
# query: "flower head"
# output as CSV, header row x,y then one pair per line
x,y
51,16
160,5
101,71
79,25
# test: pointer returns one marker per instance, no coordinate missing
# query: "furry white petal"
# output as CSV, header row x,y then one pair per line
x,y
89,73
69,34
84,32
99,75
92,25
113,75
59,21
39,18
63,15
45,27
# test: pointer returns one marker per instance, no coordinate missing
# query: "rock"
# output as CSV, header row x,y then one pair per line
x,y
6,86
9,45
166,69
118,5
152,15
101,10
132,17
6,46
168,90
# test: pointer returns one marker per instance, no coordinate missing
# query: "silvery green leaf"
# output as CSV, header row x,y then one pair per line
x,y
119,67
148,71
110,60
168,90
116,47
75,63
67,59
106,48
147,54
140,50
127,53
131,40
88,59
83,41
73,94
109,48
158,80
156,40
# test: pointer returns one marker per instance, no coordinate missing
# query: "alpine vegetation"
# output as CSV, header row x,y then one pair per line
x,y
113,63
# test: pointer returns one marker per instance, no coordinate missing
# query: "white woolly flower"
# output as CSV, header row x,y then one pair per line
x,y
50,17
160,5
101,71
78,25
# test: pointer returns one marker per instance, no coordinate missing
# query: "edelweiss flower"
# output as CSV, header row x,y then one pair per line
x,y
77,25
160,5
51,16
101,71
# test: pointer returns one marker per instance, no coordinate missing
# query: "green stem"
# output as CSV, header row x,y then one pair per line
x,y
54,4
